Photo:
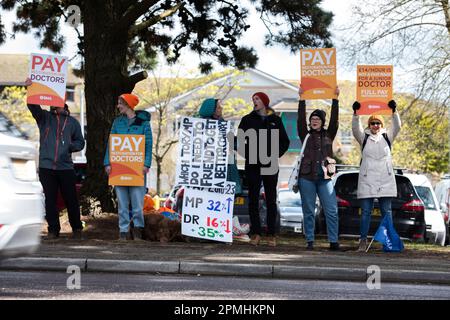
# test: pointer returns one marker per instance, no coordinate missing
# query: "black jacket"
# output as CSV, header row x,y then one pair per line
x,y
319,144
272,122
60,135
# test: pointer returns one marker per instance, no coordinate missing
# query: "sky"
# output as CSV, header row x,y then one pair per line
x,y
276,60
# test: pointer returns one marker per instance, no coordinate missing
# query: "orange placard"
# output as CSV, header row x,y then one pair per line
x,y
49,76
374,85
318,73
126,155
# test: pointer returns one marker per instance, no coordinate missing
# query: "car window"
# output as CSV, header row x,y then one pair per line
x,y
427,197
289,199
8,128
347,187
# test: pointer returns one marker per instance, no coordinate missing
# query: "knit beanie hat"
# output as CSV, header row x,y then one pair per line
x,y
375,117
131,99
318,113
207,108
264,98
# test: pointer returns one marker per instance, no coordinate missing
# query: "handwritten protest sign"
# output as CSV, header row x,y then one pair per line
x,y
49,76
318,73
374,88
127,156
208,213
203,150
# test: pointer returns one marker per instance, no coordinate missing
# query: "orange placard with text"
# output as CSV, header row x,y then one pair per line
x,y
318,73
49,76
374,85
126,155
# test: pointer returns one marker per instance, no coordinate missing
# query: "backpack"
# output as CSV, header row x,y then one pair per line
x,y
384,136
365,141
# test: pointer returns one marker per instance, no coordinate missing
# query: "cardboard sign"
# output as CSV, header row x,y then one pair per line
x,y
208,213
49,76
203,153
318,74
374,86
127,156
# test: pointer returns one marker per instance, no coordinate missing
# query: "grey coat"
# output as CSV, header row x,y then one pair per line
x,y
376,174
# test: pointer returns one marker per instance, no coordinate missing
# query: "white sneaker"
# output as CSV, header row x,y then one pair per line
x,y
242,238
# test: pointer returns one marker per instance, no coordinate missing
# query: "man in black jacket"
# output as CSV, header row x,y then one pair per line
x,y
265,139
60,136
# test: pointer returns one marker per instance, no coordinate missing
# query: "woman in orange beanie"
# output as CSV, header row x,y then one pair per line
x,y
376,174
131,122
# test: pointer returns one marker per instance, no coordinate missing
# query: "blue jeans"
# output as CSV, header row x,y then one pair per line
x,y
135,195
327,196
366,212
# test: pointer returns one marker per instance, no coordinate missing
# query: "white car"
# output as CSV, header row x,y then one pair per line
x,y
291,213
442,190
436,228
21,200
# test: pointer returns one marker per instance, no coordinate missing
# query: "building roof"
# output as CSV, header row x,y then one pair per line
x,y
14,69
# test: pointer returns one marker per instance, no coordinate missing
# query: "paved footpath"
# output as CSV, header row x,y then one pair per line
x,y
239,259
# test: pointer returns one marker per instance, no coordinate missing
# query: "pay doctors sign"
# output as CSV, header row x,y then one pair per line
x,y
49,76
318,74
126,155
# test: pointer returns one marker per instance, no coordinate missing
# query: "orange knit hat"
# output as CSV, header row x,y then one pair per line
x,y
375,117
131,99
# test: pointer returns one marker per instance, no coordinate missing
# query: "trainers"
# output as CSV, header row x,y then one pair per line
x,y
362,245
242,238
255,239
123,236
77,235
334,246
137,234
272,241
52,236
310,245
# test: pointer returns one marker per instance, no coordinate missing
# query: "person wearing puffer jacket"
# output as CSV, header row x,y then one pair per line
x,y
212,109
376,174
131,122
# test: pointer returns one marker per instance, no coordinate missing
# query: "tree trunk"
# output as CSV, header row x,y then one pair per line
x,y
158,176
105,79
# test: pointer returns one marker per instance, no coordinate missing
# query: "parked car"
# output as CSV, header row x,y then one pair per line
x,y
80,174
291,213
171,198
408,210
436,227
8,128
240,208
22,200
442,191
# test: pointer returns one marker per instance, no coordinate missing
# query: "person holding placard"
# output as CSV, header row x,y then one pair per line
x,y
135,123
376,174
212,109
59,136
313,179
262,140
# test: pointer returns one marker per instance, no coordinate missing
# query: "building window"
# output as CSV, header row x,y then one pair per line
x,y
70,94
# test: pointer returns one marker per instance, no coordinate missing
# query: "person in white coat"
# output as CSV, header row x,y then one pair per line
x,y
376,174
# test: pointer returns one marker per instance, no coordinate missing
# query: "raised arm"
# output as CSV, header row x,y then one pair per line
x,y
396,123
334,118
357,128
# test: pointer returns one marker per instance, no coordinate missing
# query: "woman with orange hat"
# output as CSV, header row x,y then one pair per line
x,y
376,174
131,122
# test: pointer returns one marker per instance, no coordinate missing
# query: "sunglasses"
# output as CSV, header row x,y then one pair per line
x,y
375,123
